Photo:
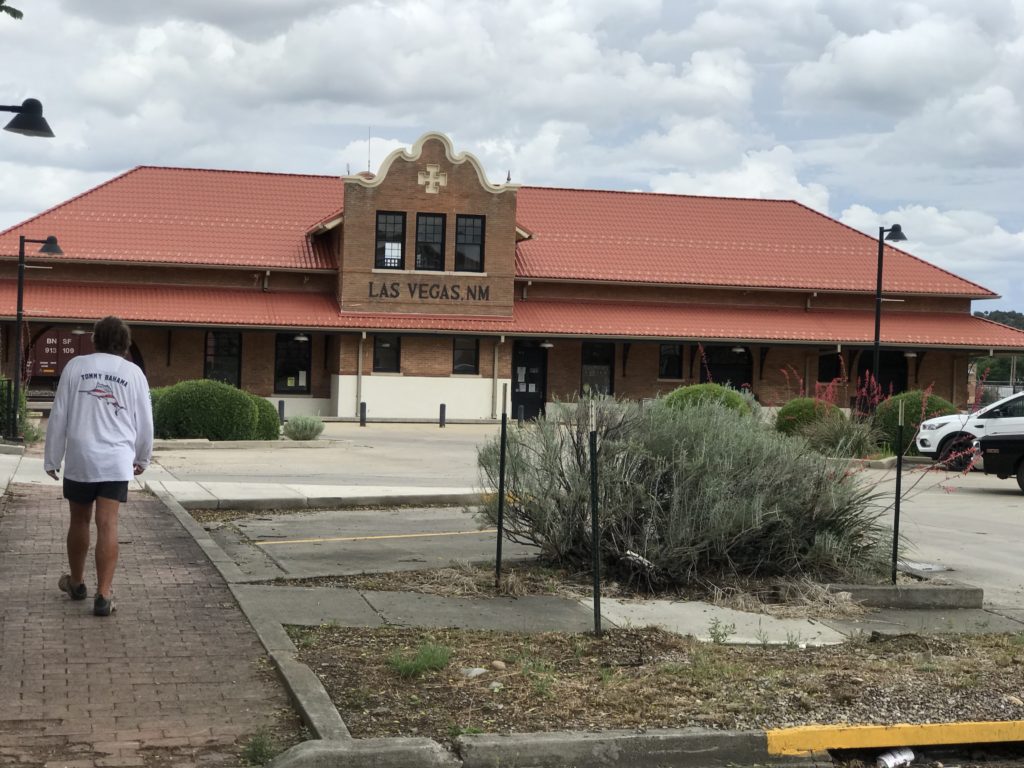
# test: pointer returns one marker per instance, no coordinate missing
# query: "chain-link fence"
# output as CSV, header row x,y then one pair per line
x,y
990,391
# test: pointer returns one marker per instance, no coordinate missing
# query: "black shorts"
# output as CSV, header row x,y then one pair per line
x,y
86,493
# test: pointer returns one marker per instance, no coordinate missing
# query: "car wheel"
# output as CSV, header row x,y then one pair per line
x,y
1020,475
957,453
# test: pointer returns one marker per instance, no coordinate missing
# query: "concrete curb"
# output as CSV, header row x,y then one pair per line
x,y
953,595
12,449
684,748
201,444
368,753
934,591
212,495
311,700
808,738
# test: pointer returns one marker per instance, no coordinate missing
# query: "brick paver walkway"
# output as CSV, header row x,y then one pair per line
x,y
176,677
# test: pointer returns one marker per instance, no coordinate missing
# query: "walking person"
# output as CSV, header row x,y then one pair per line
x,y
101,428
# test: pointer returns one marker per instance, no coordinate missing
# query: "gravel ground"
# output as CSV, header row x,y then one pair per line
x,y
653,679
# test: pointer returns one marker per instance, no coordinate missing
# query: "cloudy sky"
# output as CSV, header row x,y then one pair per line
x,y
872,111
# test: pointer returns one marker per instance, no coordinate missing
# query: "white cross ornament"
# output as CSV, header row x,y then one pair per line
x,y
433,179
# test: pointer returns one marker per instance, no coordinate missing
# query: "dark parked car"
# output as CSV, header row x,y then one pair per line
x,y
1003,456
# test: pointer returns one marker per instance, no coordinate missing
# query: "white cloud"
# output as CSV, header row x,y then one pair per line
x,y
971,244
893,72
771,174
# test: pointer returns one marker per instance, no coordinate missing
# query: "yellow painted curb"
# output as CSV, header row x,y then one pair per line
x,y
816,738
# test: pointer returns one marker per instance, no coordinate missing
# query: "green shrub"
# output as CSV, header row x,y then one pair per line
x,y
685,495
268,424
303,427
155,393
801,411
203,408
24,427
693,394
837,436
918,406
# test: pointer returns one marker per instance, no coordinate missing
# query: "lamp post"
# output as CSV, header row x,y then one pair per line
x,y
29,120
50,247
892,234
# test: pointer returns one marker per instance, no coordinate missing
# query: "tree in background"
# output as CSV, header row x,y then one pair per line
x,y
14,13
997,369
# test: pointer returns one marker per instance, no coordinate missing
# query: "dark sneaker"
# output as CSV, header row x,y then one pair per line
x,y
75,593
102,606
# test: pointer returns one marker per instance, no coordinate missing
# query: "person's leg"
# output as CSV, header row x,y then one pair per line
x,y
78,540
106,544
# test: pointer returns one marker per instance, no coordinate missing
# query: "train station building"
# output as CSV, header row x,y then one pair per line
x,y
428,284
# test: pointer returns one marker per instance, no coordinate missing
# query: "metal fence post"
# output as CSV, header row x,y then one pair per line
x,y
899,491
595,534
501,486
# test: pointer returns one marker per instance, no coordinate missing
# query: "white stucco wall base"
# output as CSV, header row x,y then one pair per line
x,y
418,397
298,405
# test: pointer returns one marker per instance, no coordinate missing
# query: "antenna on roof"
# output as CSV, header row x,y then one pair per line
x,y
348,169
368,149
508,176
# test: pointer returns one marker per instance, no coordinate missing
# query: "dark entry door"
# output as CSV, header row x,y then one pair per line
x,y
892,370
529,378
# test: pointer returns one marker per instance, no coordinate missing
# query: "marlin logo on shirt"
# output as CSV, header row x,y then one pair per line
x,y
104,393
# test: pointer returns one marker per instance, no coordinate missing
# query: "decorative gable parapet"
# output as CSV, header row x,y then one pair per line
x,y
428,233
430,174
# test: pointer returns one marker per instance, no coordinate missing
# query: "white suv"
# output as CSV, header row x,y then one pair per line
x,y
949,439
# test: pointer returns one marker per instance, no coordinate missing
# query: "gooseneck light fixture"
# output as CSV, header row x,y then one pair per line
x,y
28,120
51,248
892,234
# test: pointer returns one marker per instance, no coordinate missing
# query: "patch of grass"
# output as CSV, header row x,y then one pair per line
x,y
541,674
260,749
455,730
709,670
719,632
429,657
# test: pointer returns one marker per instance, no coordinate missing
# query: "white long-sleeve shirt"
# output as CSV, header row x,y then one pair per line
x,y
101,423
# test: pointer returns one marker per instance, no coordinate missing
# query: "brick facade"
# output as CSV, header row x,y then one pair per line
x,y
362,287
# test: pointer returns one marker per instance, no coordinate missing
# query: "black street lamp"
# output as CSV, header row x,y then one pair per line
x,y
51,248
29,120
895,234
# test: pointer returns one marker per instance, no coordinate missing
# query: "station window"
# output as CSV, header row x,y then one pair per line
x,y
465,355
469,243
390,240
292,363
387,353
830,366
670,361
430,241
223,360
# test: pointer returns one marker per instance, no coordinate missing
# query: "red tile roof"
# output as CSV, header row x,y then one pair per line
x,y
231,218
736,323
188,216
684,240
145,304
181,305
